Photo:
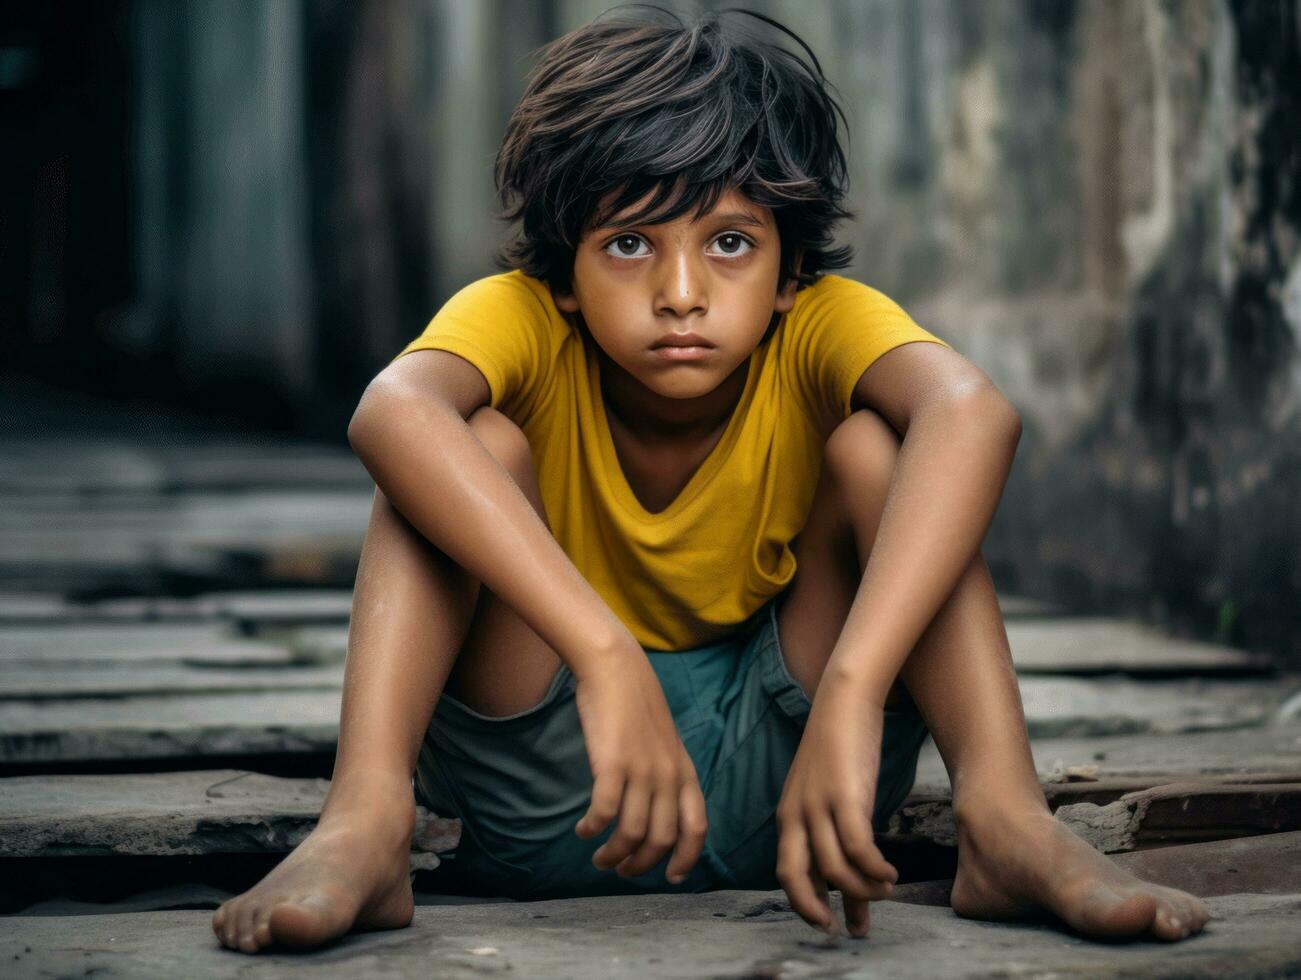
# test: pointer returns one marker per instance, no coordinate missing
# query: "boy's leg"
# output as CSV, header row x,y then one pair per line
x,y
414,617
1015,859
503,666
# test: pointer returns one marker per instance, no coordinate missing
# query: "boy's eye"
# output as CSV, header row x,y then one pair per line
x,y
730,242
734,244
631,241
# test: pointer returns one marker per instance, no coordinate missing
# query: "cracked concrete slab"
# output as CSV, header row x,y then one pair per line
x,y
198,461
715,934
181,813
1265,749
1057,707
1264,864
218,811
250,609
1099,645
316,644
1183,812
27,607
242,723
249,722
72,645
1167,813
116,680
137,543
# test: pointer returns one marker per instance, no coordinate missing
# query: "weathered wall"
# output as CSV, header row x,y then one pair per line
x,y
1098,203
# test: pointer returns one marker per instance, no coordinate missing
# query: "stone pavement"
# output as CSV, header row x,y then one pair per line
x,y
174,608
717,934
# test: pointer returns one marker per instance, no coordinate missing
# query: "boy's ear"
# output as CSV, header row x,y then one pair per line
x,y
565,302
786,296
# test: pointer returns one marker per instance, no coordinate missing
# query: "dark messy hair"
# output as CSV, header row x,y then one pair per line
x,y
688,112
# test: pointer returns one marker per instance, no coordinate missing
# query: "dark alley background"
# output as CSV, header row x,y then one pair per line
x,y
237,212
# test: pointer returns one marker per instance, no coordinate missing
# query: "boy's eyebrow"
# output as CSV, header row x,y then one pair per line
x,y
729,217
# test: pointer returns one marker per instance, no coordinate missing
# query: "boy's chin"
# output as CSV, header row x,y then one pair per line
x,y
684,388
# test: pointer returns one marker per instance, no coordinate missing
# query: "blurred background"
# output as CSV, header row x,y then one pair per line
x,y
243,209
220,218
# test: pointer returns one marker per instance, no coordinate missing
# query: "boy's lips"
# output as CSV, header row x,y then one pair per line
x,y
681,340
674,352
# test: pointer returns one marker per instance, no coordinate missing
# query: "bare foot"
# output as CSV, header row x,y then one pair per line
x,y
351,873
1021,864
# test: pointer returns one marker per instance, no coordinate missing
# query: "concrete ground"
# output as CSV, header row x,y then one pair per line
x,y
718,934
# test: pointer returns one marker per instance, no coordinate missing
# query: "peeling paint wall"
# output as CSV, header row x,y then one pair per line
x,y
1098,203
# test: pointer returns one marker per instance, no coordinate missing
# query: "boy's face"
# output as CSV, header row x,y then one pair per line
x,y
716,277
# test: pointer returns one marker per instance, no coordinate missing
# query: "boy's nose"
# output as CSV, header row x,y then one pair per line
x,y
682,287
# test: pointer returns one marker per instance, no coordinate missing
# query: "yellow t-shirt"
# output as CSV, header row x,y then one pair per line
x,y
688,575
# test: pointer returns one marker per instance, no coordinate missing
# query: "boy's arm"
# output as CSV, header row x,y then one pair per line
x,y
410,431
959,438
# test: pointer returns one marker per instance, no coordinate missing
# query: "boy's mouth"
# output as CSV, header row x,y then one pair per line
x,y
683,341
675,352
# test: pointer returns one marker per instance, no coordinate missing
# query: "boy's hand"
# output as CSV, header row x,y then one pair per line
x,y
824,816
641,772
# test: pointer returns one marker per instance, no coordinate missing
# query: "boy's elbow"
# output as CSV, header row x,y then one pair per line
x,y
354,432
369,414
992,409
1013,421
357,424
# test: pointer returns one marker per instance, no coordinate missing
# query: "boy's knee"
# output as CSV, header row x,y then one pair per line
x,y
505,440
861,452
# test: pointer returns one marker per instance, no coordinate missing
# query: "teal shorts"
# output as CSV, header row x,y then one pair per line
x,y
519,783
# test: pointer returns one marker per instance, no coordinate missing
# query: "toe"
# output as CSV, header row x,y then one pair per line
x,y
1168,923
262,928
1186,908
223,923
247,922
218,921
1198,913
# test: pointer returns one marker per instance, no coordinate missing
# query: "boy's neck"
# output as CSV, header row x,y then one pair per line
x,y
652,417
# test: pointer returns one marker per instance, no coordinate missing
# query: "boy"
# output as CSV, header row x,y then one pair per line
x,y
648,546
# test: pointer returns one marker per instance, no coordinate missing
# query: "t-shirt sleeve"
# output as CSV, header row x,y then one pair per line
x,y
501,327
841,328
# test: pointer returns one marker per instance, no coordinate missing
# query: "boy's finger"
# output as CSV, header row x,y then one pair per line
x,y
634,813
606,794
858,916
661,833
835,867
820,888
859,846
693,828
795,874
